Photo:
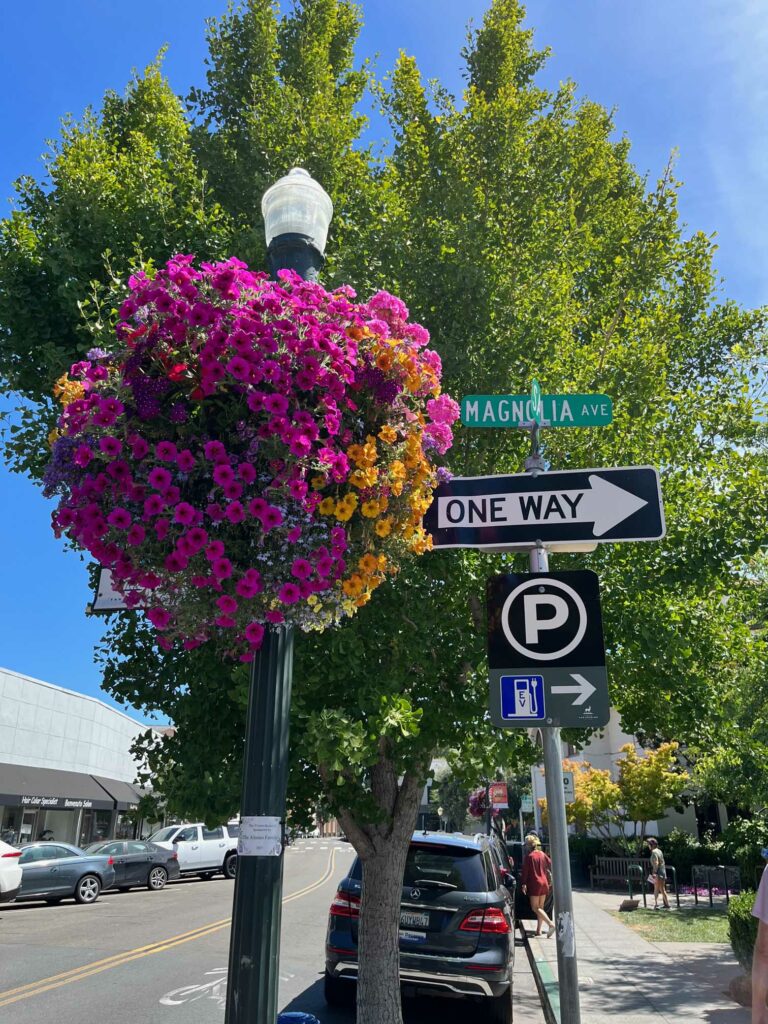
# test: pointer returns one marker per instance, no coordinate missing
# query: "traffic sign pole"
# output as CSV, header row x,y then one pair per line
x,y
567,972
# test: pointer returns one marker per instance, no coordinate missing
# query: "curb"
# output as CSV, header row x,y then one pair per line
x,y
546,982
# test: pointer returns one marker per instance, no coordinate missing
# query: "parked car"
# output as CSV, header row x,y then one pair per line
x,y
10,873
201,851
456,924
138,862
54,871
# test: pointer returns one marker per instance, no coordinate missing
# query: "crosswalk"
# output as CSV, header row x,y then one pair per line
x,y
330,843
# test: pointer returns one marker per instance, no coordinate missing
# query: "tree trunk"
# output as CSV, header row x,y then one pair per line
x,y
378,987
383,848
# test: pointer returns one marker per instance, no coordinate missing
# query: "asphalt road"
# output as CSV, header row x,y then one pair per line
x,y
162,957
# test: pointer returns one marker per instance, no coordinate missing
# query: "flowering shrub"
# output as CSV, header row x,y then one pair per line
x,y
251,451
478,802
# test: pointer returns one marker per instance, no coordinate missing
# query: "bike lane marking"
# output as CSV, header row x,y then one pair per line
x,y
118,959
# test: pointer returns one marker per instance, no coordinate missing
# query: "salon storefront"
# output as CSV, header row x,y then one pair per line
x,y
66,768
71,807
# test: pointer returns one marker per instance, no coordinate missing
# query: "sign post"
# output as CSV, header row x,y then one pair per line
x,y
565,934
546,655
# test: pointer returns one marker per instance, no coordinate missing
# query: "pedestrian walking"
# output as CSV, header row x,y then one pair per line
x,y
760,953
537,882
658,875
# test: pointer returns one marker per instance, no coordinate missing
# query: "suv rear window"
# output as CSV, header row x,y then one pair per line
x,y
461,869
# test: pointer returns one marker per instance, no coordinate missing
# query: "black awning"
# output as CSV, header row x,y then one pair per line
x,y
51,789
124,794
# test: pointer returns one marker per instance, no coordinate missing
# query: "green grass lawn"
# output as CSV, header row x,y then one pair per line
x,y
689,925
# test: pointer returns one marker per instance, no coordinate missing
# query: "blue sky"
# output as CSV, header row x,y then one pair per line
x,y
688,75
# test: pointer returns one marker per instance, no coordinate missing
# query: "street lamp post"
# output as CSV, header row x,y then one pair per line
x,y
297,212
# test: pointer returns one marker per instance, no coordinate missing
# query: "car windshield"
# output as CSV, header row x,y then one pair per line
x,y
163,835
448,867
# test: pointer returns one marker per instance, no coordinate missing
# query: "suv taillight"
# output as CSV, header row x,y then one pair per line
x,y
14,853
488,922
174,856
110,861
345,905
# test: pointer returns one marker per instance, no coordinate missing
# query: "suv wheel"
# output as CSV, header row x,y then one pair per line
x,y
87,889
500,1009
337,992
230,865
157,878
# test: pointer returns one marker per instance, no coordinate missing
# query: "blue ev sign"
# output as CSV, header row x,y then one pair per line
x,y
546,656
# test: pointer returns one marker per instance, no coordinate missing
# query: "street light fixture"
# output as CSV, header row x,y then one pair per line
x,y
297,212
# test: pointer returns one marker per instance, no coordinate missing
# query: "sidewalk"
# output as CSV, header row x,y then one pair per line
x,y
624,977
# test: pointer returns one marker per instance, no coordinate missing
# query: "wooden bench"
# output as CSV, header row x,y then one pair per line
x,y
615,869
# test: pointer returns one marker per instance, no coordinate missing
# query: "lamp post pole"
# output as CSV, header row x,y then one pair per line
x,y
297,213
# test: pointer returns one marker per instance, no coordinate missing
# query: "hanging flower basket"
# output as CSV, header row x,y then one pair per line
x,y
478,802
250,452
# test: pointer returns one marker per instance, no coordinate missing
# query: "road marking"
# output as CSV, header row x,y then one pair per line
x,y
35,988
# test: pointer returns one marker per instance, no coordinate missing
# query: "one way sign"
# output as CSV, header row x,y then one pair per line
x,y
520,509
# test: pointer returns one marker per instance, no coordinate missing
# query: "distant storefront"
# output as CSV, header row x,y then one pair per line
x,y
66,771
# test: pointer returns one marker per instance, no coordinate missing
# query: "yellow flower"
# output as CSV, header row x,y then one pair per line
x,y
354,586
384,527
397,488
355,453
397,470
318,482
384,361
327,507
67,390
363,600
364,477
370,509
368,563
388,434
53,438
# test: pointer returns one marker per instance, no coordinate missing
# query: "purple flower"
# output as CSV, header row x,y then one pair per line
x,y
166,451
120,518
254,633
184,514
301,569
289,593
159,478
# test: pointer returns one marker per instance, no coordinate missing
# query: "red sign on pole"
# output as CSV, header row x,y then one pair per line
x,y
499,796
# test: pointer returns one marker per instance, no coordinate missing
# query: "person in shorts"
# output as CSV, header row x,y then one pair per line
x,y
537,881
658,874
760,953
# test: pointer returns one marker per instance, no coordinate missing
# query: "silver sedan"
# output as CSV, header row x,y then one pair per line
x,y
54,871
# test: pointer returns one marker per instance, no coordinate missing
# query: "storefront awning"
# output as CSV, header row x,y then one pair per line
x,y
124,794
50,789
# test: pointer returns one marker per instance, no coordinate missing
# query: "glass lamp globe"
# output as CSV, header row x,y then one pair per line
x,y
297,204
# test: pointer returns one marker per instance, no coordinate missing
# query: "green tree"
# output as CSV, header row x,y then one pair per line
x,y
515,225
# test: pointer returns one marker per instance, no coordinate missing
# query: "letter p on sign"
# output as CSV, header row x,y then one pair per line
x,y
533,604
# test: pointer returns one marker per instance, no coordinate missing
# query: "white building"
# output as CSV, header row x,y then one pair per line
x,y
65,763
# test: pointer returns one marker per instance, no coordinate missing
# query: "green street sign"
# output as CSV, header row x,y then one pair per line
x,y
553,411
536,410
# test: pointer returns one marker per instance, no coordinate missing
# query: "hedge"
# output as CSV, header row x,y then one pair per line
x,y
742,927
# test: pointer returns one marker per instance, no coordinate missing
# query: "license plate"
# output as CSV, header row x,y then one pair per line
x,y
413,919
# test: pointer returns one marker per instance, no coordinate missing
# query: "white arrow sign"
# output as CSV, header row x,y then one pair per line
x,y
583,688
602,503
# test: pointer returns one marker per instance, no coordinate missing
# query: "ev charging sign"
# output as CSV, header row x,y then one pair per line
x,y
546,655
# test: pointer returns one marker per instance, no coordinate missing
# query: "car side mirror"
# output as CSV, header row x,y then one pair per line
x,y
508,879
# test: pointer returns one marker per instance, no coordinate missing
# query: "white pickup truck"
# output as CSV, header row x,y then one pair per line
x,y
201,850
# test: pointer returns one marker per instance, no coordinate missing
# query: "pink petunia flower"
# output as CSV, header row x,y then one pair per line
x,y
184,514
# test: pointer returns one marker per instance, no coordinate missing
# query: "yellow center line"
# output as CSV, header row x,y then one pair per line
x,y
118,959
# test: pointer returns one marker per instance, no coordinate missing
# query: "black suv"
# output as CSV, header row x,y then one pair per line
x,y
456,923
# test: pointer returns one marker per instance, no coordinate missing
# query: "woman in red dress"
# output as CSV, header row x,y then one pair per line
x,y
537,881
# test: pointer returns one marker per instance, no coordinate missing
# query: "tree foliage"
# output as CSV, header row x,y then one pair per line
x,y
648,784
